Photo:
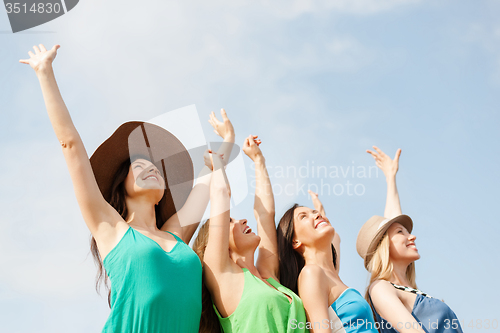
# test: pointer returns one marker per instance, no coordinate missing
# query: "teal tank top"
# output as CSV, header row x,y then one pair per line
x,y
265,309
351,313
153,291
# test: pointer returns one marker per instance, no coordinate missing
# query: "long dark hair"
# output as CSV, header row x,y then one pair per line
x,y
209,322
291,261
118,202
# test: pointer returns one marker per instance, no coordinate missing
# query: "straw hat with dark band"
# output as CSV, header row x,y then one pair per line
x,y
373,230
158,145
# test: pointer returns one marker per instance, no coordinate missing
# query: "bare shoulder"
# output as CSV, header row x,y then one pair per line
x,y
312,277
312,272
381,288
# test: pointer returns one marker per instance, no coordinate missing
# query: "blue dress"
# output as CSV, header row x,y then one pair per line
x,y
433,315
350,313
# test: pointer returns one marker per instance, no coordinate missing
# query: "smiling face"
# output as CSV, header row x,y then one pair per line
x,y
402,244
144,178
241,237
311,229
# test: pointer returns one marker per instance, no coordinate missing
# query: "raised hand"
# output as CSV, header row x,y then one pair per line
x,y
223,128
251,147
42,58
388,166
318,205
208,158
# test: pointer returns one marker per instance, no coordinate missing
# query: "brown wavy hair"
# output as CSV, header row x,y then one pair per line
x,y
209,322
118,202
291,261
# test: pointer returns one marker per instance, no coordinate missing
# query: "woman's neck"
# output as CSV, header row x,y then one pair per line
x,y
399,274
246,260
321,257
141,214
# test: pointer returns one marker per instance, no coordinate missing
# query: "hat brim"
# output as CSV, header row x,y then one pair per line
x,y
163,149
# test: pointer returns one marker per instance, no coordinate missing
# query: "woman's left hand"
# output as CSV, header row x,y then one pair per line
x,y
223,128
208,158
318,205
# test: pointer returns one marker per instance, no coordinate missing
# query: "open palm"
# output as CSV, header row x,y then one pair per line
x,y
41,57
385,163
223,128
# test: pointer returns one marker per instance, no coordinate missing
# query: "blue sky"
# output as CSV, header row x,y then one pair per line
x,y
319,81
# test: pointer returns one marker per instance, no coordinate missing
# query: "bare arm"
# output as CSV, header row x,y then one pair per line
x,y
314,292
267,261
189,216
318,205
92,204
217,253
390,307
390,168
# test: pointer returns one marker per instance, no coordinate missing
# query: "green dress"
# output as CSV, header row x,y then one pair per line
x,y
265,309
153,291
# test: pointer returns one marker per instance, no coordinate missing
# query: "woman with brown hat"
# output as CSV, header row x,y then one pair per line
x,y
136,197
389,252
309,264
241,296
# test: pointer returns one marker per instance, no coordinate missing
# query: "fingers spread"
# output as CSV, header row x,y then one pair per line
x,y
374,155
398,153
37,50
214,118
42,48
224,114
32,55
378,150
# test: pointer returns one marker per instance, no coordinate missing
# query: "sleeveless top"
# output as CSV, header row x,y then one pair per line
x,y
433,315
153,290
265,309
350,313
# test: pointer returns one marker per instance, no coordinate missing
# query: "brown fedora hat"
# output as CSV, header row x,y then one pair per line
x,y
373,230
161,147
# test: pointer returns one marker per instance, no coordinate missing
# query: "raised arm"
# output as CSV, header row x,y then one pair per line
x,y
318,205
189,216
390,168
390,307
92,204
217,251
267,261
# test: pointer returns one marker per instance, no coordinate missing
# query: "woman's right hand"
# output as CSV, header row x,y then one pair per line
x,y
42,58
388,166
251,147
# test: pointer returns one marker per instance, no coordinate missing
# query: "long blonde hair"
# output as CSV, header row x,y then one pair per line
x,y
381,268
209,322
